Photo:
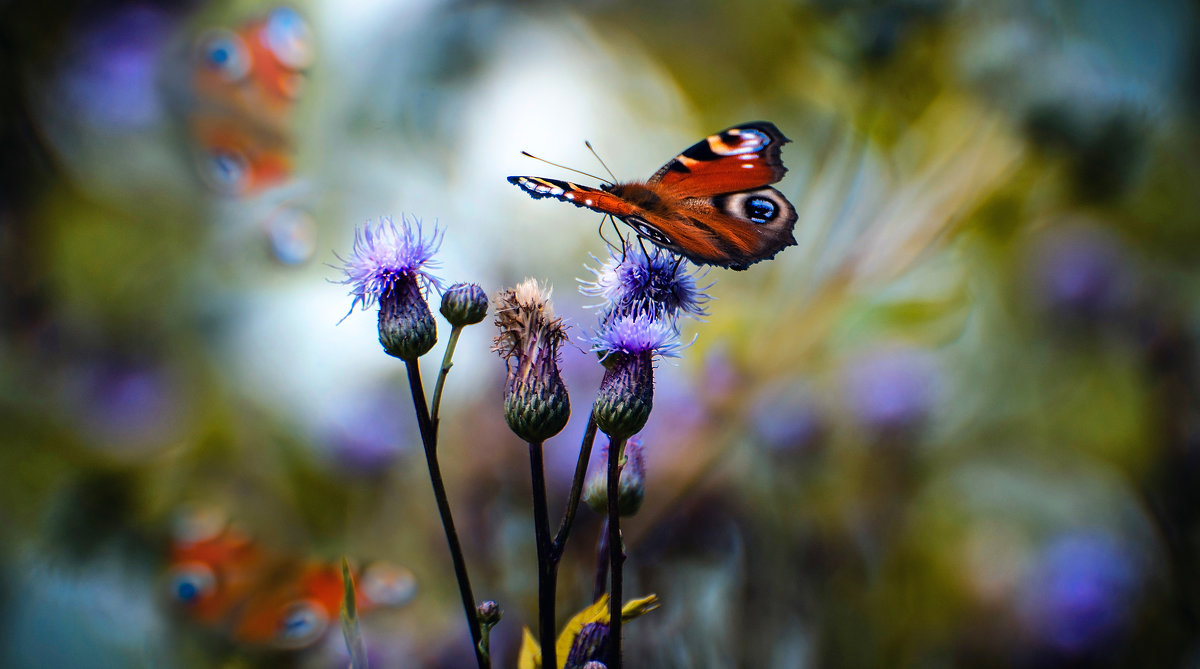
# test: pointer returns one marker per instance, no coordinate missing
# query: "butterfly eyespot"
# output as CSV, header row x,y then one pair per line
x,y
191,582
289,38
304,621
387,584
646,230
226,171
760,209
292,234
225,53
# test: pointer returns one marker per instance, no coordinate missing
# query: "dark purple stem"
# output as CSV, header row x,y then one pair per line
x,y
616,553
547,565
429,440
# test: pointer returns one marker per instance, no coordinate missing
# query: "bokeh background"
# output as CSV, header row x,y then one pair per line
x,y
957,425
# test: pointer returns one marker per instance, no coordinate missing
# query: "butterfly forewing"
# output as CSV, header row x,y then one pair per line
x,y
739,158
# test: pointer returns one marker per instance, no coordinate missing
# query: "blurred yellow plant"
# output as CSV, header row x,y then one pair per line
x,y
530,656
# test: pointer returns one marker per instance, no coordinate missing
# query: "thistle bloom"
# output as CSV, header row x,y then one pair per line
x,y
629,345
536,404
390,266
657,283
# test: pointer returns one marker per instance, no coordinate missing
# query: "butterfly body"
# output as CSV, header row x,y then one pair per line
x,y
711,203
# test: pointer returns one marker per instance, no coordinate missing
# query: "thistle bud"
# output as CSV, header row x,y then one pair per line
x,y
590,643
626,395
631,486
536,404
489,613
629,345
464,304
406,326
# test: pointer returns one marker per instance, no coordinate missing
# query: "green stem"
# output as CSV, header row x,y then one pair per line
x,y
429,440
445,370
585,454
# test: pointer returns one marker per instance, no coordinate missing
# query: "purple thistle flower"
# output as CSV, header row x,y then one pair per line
x,y
657,283
636,335
385,254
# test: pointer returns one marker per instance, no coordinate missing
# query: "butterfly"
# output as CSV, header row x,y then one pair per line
x,y
711,204
245,86
224,580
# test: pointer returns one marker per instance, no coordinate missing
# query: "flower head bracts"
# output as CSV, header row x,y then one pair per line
x,y
526,320
384,253
656,283
635,335
536,404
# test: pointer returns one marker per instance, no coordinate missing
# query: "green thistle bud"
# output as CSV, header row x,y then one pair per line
x,y
626,394
489,613
536,404
631,486
406,326
464,304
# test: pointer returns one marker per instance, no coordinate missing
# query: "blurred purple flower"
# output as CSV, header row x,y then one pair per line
x,y
126,404
1081,272
365,433
891,391
657,283
384,254
786,419
111,76
1079,594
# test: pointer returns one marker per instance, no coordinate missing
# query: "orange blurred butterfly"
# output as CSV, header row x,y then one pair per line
x,y
246,84
711,204
225,581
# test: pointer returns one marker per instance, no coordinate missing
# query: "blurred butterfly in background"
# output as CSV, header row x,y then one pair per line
x,y
246,85
223,580
711,204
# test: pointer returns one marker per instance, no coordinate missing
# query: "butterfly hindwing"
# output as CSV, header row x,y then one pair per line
x,y
738,158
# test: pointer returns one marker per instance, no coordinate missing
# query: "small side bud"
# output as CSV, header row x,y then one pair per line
x,y
464,304
489,613
631,487
406,326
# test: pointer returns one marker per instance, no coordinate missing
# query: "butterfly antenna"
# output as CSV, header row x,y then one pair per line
x,y
602,163
572,169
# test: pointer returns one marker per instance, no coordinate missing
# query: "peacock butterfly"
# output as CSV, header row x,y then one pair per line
x,y
224,580
711,204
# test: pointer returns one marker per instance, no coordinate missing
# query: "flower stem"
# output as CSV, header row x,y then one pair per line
x,y
616,553
441,379
585,454
429,440
547,565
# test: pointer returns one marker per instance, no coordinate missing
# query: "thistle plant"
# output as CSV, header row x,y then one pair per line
x,y
390,267
643,293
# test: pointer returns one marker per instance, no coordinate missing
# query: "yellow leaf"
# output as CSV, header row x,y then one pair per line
x,y
530,656
598,613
